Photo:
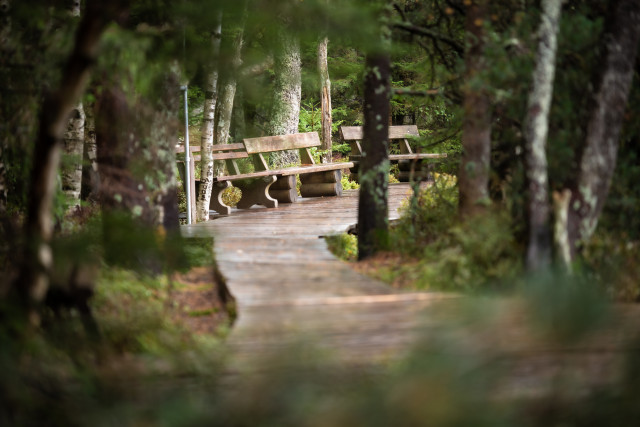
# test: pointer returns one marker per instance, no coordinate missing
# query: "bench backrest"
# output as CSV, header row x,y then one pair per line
x,y
268,144
352,133
220,151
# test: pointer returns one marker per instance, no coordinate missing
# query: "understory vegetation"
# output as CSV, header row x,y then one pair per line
x,y
437,251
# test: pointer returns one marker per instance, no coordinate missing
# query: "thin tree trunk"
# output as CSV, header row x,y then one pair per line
x,y
73,146
473,178
325,98
208,125
239,120
598,159
373,220
287,92
5,24
33,280
90,176
228,94
536,130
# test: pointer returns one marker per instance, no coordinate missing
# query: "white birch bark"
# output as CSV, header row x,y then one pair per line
x,y
599,157
206,141
536,131
227,96
287,92
71,173
325,99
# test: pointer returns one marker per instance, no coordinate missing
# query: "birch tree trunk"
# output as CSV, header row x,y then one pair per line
x,y
228,92
373,221
473,177
287,92
598,159
208,125
71,173
33,280
325,99
536,130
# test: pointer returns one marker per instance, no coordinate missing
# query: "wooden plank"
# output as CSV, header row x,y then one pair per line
x,y
417,156
406,131
267,144
231,155
192,148
350,133
226,147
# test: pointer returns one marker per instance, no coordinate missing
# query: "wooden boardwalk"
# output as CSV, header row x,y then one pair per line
x,y
290,289
296,301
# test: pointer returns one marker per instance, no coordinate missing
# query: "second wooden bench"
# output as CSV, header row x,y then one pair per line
x,y
407,159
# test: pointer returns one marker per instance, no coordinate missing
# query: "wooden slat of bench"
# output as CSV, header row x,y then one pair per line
x,y
417,156
226,147
192,148
297,170
351,133
314,168
225,156
414,156
267,144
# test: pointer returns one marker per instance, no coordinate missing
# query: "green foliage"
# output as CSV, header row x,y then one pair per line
x,y
310,117
348,184
344,246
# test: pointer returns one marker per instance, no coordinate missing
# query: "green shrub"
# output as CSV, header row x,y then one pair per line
x,y
344,246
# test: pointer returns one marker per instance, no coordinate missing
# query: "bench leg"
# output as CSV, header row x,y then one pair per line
x,y
256,192
321,184
216,202
284,189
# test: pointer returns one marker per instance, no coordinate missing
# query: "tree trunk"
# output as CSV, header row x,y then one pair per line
x,y
5,24
206,162
33,280
73,146
598,159
287,91
536,130
90,176
473,178
228,93
325,99
373,220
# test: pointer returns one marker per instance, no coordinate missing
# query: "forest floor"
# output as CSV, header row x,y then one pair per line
x,y
199,305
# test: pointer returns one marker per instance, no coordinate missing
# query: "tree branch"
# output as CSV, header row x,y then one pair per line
x,y
414,29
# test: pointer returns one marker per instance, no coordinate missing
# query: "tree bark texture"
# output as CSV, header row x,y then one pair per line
x,y
228,93
606,113
90,176
33,280
71,172
5,24
208,128
325,99
473,178
536,131
287,92
373,220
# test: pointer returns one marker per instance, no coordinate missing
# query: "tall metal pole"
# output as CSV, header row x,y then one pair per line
x,y
187,155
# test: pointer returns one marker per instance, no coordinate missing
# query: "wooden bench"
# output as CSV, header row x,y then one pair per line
x,y
407,159
267,186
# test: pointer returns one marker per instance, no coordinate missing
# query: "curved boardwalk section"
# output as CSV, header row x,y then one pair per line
x,y
290,290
